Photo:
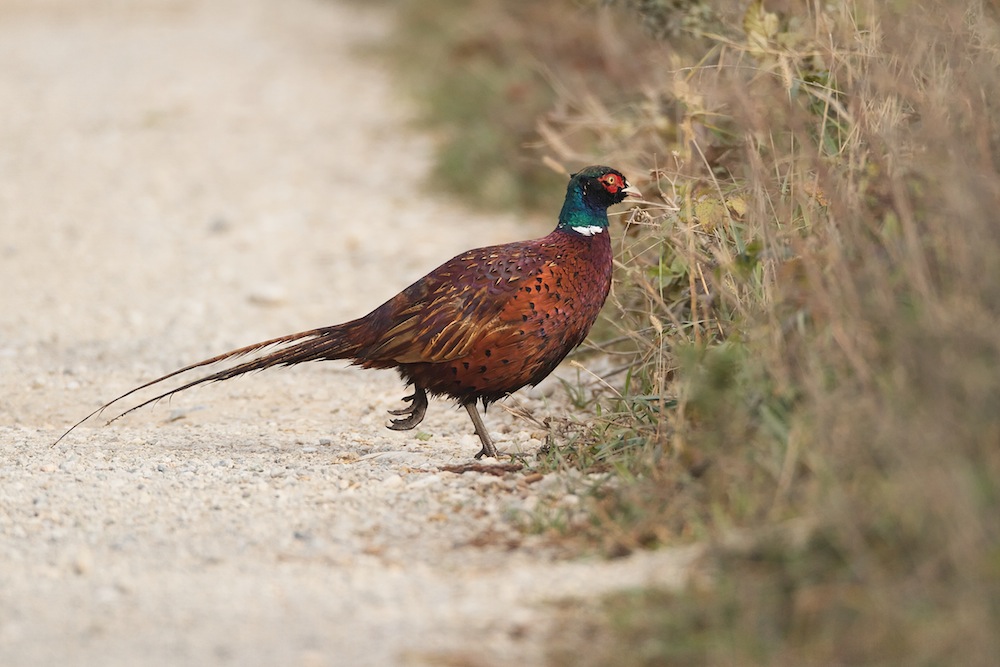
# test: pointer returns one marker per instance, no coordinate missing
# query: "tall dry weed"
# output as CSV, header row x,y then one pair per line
x,y
825,272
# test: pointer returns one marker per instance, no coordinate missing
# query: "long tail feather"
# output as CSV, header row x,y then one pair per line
x,y
315,345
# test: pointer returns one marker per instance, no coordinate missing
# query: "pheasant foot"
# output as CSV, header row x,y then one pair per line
x,y
414,414
489,449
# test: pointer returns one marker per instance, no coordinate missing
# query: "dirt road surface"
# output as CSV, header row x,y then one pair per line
x,y
178,178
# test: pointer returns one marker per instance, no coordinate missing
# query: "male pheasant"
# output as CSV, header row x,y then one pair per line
x,y
478,327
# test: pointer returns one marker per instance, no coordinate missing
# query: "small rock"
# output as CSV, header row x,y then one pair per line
x,y
533,477
570,500
424,481
83,562
268,295
219,225
392,481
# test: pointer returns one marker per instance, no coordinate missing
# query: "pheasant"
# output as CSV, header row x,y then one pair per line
x,y
478,327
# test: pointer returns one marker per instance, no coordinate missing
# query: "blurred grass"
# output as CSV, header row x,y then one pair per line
x,y
483,81
805,325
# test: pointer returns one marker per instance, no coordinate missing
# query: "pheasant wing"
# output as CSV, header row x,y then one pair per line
x,y
444,314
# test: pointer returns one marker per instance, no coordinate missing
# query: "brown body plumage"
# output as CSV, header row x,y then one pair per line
x,y
478,327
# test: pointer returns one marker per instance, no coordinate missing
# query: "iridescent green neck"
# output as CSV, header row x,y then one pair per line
x,y
577,214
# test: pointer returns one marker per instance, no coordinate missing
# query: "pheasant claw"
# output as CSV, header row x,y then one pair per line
x,y
404,411
413,415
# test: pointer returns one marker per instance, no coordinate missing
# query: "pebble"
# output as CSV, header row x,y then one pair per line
x,y
268,295
489,481
570,500
424,481
392,481
83,562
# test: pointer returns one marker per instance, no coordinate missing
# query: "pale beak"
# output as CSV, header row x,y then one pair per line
x,y
632,192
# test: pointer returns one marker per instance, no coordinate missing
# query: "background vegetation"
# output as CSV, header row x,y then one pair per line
x,y
804,331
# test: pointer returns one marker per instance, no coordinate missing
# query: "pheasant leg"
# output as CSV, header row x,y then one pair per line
x,y
489,449
414,414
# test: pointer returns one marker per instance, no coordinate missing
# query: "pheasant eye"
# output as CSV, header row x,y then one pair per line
x,y
611,183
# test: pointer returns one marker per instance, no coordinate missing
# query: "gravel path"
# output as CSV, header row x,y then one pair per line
x,y
179,178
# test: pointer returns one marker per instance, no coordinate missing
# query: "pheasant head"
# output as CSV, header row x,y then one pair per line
x,y
589,194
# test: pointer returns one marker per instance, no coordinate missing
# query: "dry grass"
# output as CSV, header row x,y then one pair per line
x,y
824,291
809,321
485,70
